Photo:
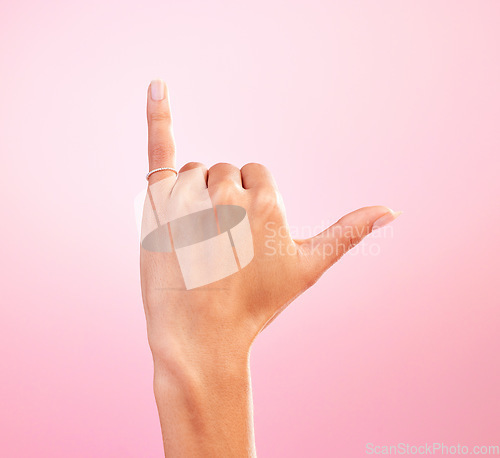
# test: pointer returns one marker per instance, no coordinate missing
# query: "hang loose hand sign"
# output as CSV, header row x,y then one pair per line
x,y
218,264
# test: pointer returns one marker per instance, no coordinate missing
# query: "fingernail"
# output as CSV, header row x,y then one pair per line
x,y
157,90
389,217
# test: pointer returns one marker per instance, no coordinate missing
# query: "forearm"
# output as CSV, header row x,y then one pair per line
x,y
205,408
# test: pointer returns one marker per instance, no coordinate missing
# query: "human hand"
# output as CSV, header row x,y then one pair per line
x,y
202,335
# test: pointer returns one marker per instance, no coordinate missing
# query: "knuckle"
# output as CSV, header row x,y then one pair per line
x,y
225,183
222,167
352,241
160,116
255,166
191,166
224,192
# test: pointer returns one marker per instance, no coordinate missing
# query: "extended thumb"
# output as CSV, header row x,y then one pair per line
x,y
329,246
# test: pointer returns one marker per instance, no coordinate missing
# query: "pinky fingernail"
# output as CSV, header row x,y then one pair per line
x,y
157,90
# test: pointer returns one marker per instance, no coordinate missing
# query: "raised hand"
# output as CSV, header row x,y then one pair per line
x,y
218,264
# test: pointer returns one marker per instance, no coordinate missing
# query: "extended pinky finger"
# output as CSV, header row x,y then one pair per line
x,y
161,145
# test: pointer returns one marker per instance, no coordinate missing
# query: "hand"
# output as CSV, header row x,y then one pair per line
x,y
201,337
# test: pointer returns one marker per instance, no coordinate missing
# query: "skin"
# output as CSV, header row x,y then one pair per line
x,y
201,338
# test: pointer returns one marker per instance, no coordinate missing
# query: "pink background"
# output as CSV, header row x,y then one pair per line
x,y
349,103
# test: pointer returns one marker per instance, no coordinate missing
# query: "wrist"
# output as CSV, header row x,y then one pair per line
x,y
203,351
205,409
203,364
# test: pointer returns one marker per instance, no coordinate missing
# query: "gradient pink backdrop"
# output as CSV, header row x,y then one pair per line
x,y
349,103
